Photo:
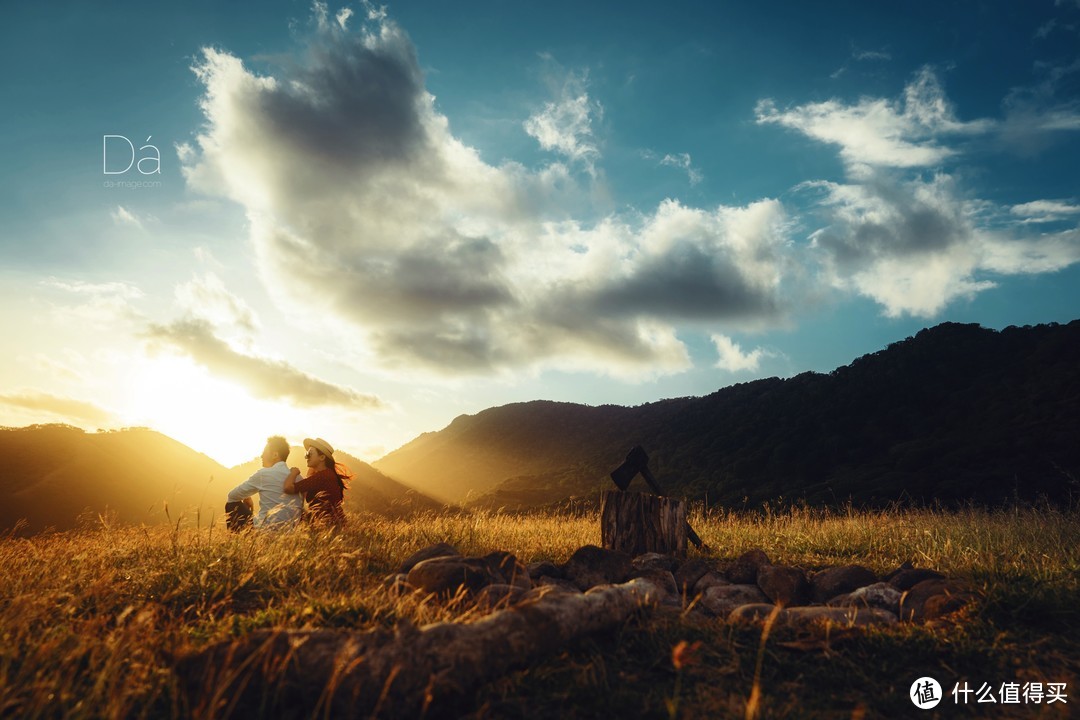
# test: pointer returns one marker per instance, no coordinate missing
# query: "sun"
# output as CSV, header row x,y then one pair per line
x,y
181,399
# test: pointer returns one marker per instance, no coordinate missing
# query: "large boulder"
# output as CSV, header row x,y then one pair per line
x,y
590,566
546,581
656,561
431,551
446,576
805,617
829,583
497,597
544,568
882,596
783,585
687,575
909,578
932,599
507,566
745,568
722,599
844,617
708,580
662,579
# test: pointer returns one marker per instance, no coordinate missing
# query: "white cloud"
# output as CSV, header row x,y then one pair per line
x,y
363,208
63,408
207,298
871,55
123,216
264,377
1040,211
343,17
879,132
1045,29
682,160
565,125
731,355
915,246
99,304
121,290
206,257
1037,113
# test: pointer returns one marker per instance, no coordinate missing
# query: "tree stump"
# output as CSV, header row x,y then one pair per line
x,y
636,523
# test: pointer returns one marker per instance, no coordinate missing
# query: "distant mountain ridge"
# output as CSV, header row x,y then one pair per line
x,y
957,412
55,474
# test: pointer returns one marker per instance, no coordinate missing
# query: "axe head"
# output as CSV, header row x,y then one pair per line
x,y
636,461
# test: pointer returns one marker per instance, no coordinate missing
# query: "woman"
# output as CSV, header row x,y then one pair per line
x,y
324,488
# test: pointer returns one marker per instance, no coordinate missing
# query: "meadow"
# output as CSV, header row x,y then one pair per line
x,y
92,619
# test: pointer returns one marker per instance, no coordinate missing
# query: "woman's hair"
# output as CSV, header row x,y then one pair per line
x,y
341,472
343,475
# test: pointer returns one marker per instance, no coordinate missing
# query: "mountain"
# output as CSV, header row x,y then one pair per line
x,y
53,475
955,413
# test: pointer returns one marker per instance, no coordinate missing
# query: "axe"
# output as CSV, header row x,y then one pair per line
x,y
638,462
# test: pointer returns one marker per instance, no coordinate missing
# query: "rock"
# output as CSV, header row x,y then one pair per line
x,y
785,586
903,566
708,580
656,561
431,551
933,599
687,575
562,583
543,569
845,617
508,567
497,597
542,589
909,578
397,585
722,599
880,595
753,613
831,582
745,568
662,579
590,566
805,617
445,576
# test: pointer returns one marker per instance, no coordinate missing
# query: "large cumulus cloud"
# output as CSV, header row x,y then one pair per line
x,y
901,229
363,205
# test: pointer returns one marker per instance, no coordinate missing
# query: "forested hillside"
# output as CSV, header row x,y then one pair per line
x,y
955,413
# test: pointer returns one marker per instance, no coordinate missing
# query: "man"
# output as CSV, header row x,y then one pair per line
x,y
276,508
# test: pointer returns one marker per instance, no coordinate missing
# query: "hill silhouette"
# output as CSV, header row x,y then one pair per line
x,y
54,475
956,413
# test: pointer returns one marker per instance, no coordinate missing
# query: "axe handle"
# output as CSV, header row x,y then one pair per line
x,y
647,474
693,537
690,534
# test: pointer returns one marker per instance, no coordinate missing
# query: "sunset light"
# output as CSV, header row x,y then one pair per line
x,y
176,397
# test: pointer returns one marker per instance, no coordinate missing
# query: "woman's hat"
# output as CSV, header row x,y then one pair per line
x,y
319,444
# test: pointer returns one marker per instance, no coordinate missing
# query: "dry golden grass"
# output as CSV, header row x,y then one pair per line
x,y
90,620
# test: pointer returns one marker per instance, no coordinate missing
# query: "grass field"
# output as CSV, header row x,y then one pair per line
x,y
90,620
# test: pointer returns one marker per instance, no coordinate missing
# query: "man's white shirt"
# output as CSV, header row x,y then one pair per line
x,y
275,505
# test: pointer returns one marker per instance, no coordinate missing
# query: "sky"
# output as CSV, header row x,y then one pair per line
x,y
356,221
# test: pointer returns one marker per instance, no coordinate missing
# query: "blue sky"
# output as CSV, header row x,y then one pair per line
x,y
370,219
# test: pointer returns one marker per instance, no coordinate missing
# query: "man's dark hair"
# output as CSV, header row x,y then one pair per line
x,y
279,445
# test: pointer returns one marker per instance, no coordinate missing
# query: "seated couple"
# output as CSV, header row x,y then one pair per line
x,y
282,492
